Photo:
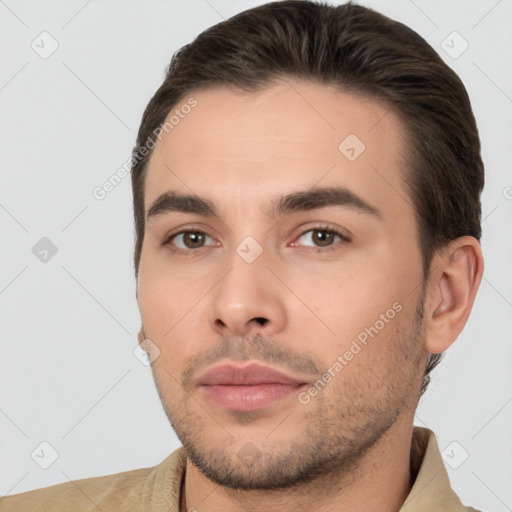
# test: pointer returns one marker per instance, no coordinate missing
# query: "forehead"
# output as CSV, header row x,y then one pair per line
x,y
233,145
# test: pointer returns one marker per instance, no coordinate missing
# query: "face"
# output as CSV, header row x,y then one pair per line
x,y
284,296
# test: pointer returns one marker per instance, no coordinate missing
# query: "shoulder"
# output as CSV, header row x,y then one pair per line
x,y
125,491
80,495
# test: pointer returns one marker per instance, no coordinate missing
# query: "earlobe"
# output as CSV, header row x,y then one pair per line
x,y
141,336
456,273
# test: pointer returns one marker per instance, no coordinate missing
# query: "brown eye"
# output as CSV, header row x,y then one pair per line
x,y
193,240
189,240
323,237
320,238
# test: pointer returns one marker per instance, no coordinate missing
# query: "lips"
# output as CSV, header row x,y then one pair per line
x,y
247,375
247,387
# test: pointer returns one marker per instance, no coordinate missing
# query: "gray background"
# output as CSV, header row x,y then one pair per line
x,y
68,375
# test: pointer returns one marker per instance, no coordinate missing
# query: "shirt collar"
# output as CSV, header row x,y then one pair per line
x,y
431,489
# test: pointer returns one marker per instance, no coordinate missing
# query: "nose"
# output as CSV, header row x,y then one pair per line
x,y
248,299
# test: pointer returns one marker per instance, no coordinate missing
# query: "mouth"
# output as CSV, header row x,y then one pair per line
x,y
247,387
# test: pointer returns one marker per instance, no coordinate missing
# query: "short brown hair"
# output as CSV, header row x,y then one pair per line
x,y
358,50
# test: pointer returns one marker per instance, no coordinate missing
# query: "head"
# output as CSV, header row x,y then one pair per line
x,y
306,187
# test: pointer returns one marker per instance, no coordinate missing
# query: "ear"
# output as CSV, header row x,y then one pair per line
x,y
141,336
455,275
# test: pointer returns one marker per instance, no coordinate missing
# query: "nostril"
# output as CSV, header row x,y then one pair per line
x,y
259,319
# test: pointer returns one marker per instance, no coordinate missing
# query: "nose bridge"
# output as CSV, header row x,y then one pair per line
x,y
244,285
246,298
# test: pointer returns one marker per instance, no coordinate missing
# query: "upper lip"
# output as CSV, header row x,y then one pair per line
x,y
249,374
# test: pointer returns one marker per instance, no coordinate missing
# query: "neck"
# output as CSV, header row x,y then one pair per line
x,y
380,482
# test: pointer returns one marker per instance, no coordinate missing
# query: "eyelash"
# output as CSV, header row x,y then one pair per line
x,y
329,230
189,252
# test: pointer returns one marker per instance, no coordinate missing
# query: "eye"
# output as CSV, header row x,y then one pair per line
x,y
321,237
188,240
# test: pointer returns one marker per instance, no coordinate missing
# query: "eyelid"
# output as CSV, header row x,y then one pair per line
x,y
183,230
187,249
343,234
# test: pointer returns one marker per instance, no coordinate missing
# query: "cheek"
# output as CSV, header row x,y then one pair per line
x,y
173,316
376,359
164,297
350,298
359,311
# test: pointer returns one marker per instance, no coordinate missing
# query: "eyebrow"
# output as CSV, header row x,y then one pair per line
x,y
310,199
314,198
175,202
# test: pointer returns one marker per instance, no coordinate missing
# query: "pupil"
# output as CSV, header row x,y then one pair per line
x,y
193,240
323,237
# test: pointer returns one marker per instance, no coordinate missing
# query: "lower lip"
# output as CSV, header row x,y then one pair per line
x,y
249,398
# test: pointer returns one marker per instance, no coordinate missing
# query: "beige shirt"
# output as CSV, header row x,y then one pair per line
x,y
157,489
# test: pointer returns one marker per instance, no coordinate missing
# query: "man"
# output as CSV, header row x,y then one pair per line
x,y
306,189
